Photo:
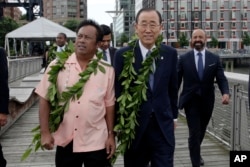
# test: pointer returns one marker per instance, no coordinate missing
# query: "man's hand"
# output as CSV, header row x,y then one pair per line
x,y
225,99
47,141
3,119
110,145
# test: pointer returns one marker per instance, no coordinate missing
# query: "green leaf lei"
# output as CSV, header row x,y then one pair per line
x,y
133,94
60,101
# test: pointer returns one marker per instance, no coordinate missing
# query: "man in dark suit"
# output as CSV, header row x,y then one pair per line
x,y
154,139
198,69
4,97
59,46
108,51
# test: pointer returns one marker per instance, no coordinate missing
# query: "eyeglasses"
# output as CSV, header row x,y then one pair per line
x,y
151,26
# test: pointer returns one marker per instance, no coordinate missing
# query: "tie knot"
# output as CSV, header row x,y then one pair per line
x,y
148,53
199,54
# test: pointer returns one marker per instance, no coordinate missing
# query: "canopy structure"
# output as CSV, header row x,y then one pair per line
x,y
40,29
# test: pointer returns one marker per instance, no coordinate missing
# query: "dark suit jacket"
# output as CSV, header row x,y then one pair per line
x,y
112,54
4,89
163,99
192,84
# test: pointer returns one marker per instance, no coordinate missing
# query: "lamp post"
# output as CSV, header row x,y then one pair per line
x,y
114,29
114,26
114,23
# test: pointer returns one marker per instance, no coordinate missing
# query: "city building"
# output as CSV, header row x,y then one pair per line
x,y
124,19
12,12
226,20
9,11
62,10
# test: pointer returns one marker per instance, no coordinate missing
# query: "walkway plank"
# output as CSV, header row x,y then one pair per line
x,y
17,138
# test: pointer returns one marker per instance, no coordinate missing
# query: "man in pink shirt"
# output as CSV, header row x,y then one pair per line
x,y
85,134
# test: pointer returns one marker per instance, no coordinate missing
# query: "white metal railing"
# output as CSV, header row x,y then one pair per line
x,y
22,67
231,123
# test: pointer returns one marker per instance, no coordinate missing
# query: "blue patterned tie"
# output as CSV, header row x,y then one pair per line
x,y
200,65
151,75
104,55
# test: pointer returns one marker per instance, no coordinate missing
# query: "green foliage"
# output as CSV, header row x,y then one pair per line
x,y
124,38
23,17
214,42
133,94
59,102
7,25
246,39
71,24
183,40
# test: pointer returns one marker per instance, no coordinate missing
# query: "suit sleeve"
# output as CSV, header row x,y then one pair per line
x,y
173,87
179,71
118,66
4,88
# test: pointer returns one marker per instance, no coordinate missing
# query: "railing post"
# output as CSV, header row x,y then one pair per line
x,y
235,119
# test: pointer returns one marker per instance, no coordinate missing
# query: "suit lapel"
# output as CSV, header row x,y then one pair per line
x,y
138,58
207,61
159,70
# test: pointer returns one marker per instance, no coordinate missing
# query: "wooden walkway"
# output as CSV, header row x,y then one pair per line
x,y
17,138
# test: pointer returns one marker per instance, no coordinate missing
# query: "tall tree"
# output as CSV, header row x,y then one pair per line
x,y
246,39
214,42
124,38
71,24
183,40
7,25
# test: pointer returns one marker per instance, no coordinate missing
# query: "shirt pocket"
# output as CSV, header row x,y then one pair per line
x,y
96,104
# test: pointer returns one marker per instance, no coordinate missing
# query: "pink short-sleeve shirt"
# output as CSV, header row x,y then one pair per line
x,y
84,122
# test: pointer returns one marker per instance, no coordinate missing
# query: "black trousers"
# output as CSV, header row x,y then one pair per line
x,y
198,113
153,148
65,157
2,160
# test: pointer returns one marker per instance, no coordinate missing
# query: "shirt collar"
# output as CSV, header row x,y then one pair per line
x,y
202,52
73,60
144,50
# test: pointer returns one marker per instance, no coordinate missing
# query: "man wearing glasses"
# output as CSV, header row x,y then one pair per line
x,y
154,139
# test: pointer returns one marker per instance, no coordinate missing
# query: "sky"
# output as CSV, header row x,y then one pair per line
x,y
97,10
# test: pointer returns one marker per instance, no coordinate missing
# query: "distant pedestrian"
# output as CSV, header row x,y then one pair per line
x,y
4,97
108,51
59,46
198,69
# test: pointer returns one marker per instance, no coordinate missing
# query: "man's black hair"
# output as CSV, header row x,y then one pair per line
x,y
63,34
105,29
148,10
90,22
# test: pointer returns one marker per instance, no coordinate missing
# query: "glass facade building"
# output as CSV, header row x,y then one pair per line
x,y
226,20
